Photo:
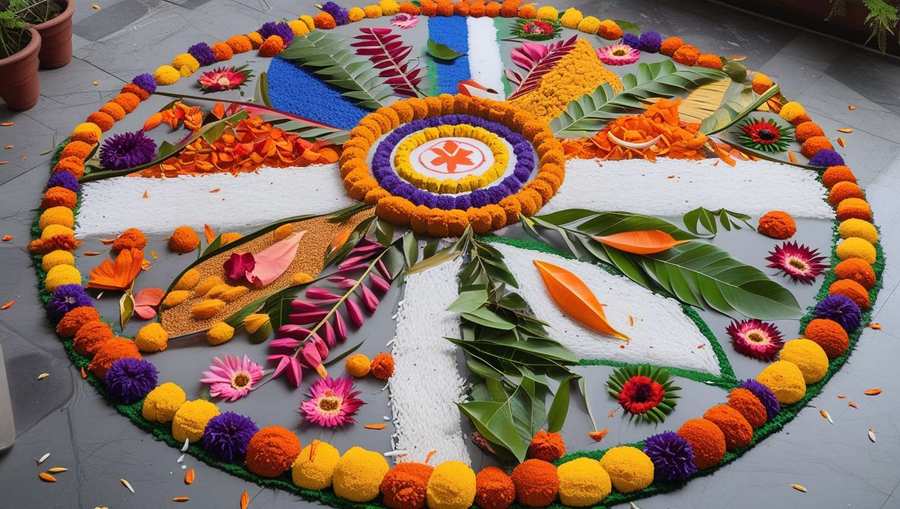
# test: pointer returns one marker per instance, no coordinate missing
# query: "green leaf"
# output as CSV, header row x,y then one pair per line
x,y
559,408
494,420
126,308
469,301
487,318
261,94
628,26
738,103
590,113
707,219
410,249
441,51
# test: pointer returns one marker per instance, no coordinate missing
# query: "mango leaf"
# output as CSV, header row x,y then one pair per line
x,y
494,420
442,51
469,301
559,408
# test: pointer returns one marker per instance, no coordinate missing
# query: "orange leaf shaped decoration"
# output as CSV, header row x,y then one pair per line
x,y
210,233
575,298
118,274
640,242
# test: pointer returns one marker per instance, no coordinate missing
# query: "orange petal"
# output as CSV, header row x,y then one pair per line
x,y
641,242
209,233
153,121
575,299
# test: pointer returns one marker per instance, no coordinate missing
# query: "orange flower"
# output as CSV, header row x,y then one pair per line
x,y
103,120
461,8
854,208
856,269
807,130
153,121
324,21
72,321
537,483
670,45
130,238
120,274
66,242
239,43
58,196
835,174
509,8
609,29
528,11
843,190
547,446
492,9
686,55
114,110
136,90
829,335
255,39
222,51
709,60
777,225
91,336
78,149
444,8
409,8
272,46
382,366
71,164
111,351
128,101
815,144
851,289
184,240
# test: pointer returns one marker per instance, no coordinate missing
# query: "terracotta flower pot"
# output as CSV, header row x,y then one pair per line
x,y
20,87
56,38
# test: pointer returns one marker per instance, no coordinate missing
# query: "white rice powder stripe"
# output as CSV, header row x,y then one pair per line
x,y
427,383
662,334
245,200
485,63
671,187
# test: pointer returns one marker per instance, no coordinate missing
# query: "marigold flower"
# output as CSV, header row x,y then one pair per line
x,y
57,215
686,55
829,335
111,351
738,432
90,336
409,8
777,224
494,489
451,486
184,240
272,46
808,356
785,380
326,21
358,365
382,366
58,257
191,418
670,45
222,51
749,406
856,269
59,196
185,63
220,333
856,247
854,208
528,11
709,60
71,164
571,17
537,483
843,190
102,120
354,14
707,441
74,319
852,290
62,275
791,110
834,174
166,75
130,238
162,402
814,144
806,130
405,485
609,29
547,446
131,88
314,467
239,43
87,132
761,83
256,39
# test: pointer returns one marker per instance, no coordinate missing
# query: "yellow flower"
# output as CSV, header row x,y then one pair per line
x,y
62,275
761,83
856,247
188,280
259,326
166,75
355,14
191,418
358,475
571,18
185,63
858,228
589,24
792,110
629,468
807,355
583,482
389,7
547,12
162,402
309,21
207,309
58,257
152,338
313,470
451,486
62,216
358,365
175,297
219,333
298,27
785,380
53,230
372,11
87,132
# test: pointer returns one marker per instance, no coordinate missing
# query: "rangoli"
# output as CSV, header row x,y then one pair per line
x,y
535,241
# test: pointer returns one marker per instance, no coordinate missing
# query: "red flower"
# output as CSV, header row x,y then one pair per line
x,y
538,27
223,78
640,394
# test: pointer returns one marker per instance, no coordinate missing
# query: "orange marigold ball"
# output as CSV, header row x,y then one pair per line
x,y
609,29
239,43
184,240
131,88
854,208
494,489
738,432
707,442
710,60
222,51
324,20
547,446
131,237
78,149
512,207
851,289
686,55
272,451
777,224
111,351
58,196
405,485
536,483
834,174
745,402
829,335
128,101
382,366
71,164
103,120
806,130
814,144
670,45
856,269
90,336
528,11
409,8
395,209
843,190
74,319
272,46
480,219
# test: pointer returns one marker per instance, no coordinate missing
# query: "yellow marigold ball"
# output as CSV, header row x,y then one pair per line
x,y
191,418
166,75
152,338
188,280
547,12
854,208
62,275
629,468
589,24
298,27
583,482
358,365
451,486
808,356
207,309
219,333
372,11
785,380
314,467
53,230
175,297
310,22
792,110
87,132
358,475
162,402
58,257
185,63
761,83
571,18
389,7
355,14
858,228
856,247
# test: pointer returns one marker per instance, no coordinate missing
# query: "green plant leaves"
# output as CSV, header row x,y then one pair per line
x,y
710,219
590,113
331,57
738,103
441,51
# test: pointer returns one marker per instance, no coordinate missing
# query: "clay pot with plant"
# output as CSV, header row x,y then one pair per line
x,y
53,20
19,47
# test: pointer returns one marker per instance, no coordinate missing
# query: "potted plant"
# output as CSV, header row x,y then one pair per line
x,y
53,19
19,47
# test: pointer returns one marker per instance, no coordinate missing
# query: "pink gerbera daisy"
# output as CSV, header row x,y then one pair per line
x,y
755,338
404,20
797,261
232,377
332,402
224,78
618,54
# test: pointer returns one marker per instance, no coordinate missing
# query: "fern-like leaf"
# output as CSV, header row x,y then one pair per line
x,y
329,57
536,60
590,113
386,51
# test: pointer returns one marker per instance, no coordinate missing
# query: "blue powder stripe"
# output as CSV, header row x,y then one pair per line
x,y
451,31
296,90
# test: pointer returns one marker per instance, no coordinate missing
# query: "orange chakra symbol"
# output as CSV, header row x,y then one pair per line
x,y
451,155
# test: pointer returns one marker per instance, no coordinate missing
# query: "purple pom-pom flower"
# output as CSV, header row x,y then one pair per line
x,y
64,179
280,29
66,298
764,395
632,40
826,157
672,456
226,436
340,15
650,42
129,380
127,150
203,53
841,309
146,82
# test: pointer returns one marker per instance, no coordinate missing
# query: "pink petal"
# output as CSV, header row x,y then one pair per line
x,y
274,260
293,331
288,343
321,294
304,318
302,305
369,299
355,313
340,327
379,283
330,340
149,297
144,312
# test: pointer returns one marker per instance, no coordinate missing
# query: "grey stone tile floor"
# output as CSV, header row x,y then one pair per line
x,y
62,415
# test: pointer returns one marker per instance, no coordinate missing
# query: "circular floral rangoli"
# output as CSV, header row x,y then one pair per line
x,y
456,254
